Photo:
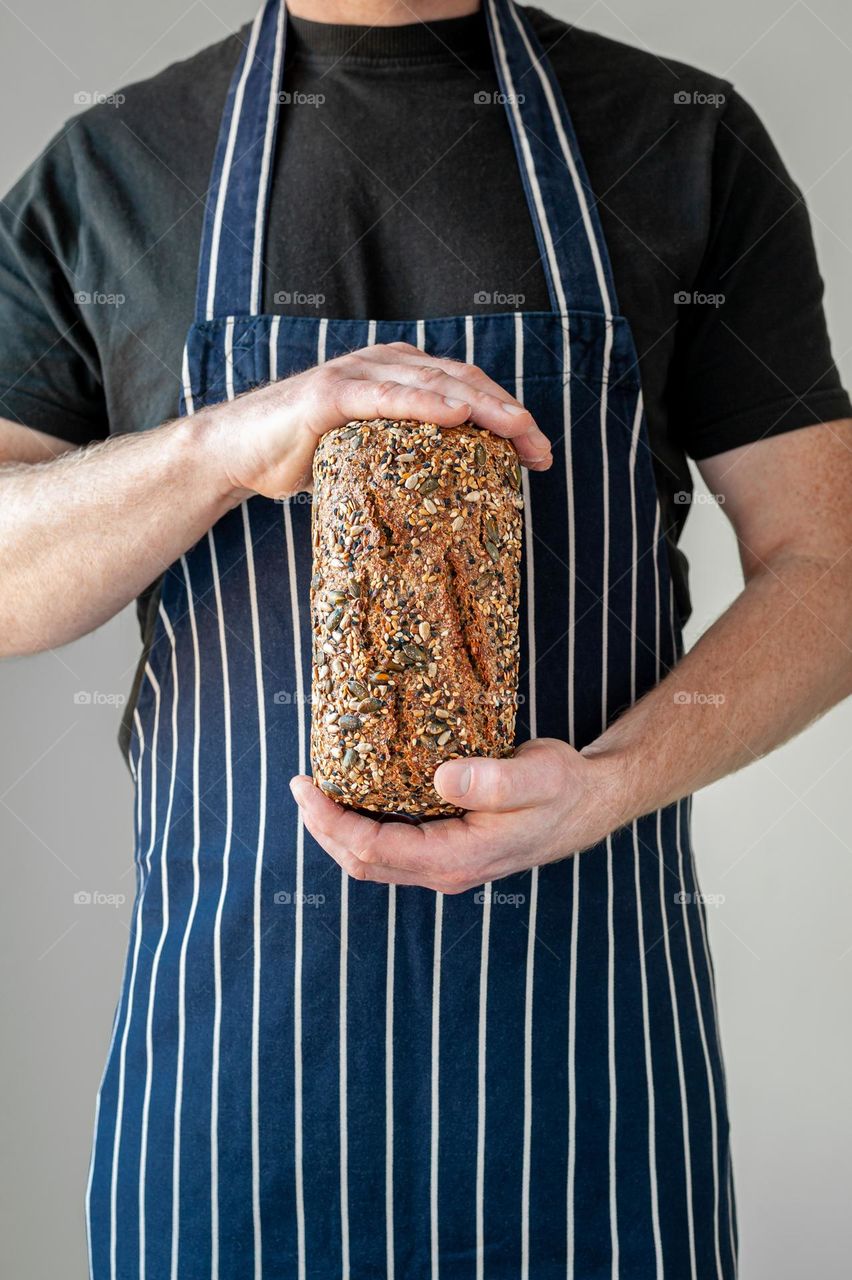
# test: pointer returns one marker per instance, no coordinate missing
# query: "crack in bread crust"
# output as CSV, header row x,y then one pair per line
x,y
414,606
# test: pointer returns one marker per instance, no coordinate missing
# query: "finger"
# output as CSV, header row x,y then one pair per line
x,y
535,776
404,353
500,414
364,398
434,854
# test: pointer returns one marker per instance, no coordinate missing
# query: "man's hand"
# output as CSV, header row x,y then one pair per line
x,y
83,531
265,440
546,803
779,657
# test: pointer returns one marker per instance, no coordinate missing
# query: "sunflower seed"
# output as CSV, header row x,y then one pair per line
x,y
457,524
445,738
413,480
430,506
425,630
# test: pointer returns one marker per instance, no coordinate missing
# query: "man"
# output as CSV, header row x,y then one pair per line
x,y
428,1074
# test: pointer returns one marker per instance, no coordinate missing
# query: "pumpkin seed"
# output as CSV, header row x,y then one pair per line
x,y
350,757
494,552
479,455
348,722
357,689
370,704
430,484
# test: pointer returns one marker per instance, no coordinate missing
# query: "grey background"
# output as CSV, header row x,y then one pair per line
x,y
773,841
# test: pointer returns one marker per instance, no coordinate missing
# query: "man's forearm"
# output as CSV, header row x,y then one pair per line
x,y
84,534
778,658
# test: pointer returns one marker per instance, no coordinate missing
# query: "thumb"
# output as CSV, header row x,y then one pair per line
x,y
534,776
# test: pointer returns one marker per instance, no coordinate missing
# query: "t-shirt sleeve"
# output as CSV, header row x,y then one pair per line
x,y
49,369
753,355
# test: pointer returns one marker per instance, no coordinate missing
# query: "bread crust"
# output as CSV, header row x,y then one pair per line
x,y
414,603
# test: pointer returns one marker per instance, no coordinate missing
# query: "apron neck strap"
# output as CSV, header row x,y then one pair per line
x,y
230,276
561,203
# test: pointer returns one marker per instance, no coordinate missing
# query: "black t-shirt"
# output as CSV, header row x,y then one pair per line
x,y
396,195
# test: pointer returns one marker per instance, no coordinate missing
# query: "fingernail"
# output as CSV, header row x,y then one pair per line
x,y
514,409
455,778
455,404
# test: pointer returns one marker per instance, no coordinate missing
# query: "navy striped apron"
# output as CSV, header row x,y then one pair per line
x,y
316,1078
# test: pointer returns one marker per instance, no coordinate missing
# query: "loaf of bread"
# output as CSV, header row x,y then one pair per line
x,y
414,597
